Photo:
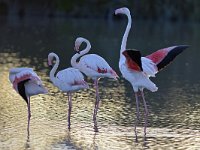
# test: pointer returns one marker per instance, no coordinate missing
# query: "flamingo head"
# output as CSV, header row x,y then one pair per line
x,y
78,43
123,10
114,74
50,58
76,48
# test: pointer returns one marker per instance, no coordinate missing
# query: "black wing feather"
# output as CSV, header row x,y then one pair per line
x,y
171,56
135,56
21,89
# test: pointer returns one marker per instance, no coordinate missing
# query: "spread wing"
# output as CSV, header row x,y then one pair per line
x,y
164,56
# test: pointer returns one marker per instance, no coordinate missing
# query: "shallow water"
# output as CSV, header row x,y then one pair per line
x,y
174,120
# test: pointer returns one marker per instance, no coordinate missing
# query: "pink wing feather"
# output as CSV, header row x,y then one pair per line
x,y
159,55
164,56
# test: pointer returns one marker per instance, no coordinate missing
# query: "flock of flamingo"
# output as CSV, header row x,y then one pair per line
x,y
134,68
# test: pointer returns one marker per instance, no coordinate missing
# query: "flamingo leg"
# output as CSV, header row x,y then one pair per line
x,y
137,113
146,112
69,109
29,115
96,105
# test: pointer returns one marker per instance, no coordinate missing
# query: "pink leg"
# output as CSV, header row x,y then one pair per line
x,y
96,105
137,113
146,112
29,116
69,109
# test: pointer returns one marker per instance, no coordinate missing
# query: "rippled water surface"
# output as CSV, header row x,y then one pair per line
x,y
174,121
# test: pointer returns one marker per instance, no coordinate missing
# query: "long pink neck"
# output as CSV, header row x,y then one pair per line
x,y
125,37
53,70
74,62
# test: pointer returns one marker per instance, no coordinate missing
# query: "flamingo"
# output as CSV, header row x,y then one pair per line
x,y
137,69
68,80
93,66
27,83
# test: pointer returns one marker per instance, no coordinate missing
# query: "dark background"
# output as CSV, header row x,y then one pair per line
x,y
173,10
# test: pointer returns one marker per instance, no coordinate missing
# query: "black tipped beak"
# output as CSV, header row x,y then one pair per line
x,y
181,47
77,52
50,66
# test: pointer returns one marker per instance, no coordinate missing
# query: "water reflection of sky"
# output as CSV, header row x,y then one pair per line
x,y
174,110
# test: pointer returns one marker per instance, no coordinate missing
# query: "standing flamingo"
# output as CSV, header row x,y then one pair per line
x,y
137,69
27,83
68,80
94,66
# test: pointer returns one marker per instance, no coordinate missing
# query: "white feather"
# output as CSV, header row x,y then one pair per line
x,y
149,67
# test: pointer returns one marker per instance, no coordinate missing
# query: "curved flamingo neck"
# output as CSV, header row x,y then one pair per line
x,y
74,62
125,36
53,70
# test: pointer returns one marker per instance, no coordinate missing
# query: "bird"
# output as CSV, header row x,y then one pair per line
x,y
93,66
68,81
137,69
26,83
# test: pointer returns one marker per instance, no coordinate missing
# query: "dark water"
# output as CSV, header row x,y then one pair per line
x,y
174,120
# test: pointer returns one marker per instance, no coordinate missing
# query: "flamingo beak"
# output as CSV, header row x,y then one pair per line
x,y
50,64
114,74
76,48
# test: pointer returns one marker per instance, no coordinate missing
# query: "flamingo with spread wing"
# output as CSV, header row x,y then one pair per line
x,y
137,69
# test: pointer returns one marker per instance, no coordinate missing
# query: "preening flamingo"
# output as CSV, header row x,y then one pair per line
x,y
68,80
94,66
137,69
27,83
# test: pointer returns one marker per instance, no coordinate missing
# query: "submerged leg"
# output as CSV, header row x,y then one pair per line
x,y
146,112
96,105
137,113
29,116
69,108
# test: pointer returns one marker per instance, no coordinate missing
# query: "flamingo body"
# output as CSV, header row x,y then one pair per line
x,y
95,66
70,80
138,79
67,80
26,81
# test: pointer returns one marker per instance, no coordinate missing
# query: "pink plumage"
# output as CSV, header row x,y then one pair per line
x,y
32,82
24,75
158,56
164,56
